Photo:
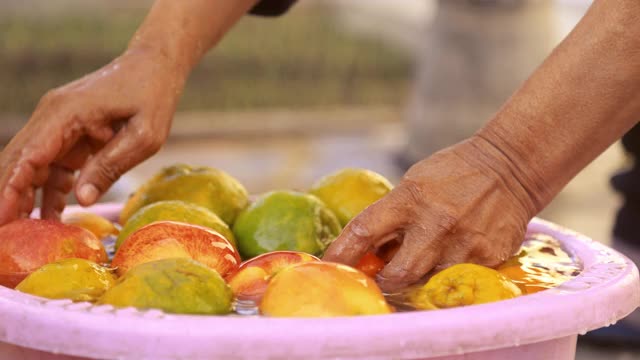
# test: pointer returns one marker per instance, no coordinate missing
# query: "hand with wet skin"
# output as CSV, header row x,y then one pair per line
x,y
107,122
444,212
472,202
102,124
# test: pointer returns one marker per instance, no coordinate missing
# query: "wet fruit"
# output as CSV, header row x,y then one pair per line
x,y
98,225
285,220
181,286
175,210
169,239
464,284
349,191
28,244
322,289
370,264
75,279
208,187
253,276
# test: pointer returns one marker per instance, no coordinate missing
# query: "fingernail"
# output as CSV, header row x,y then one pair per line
x,y
88,194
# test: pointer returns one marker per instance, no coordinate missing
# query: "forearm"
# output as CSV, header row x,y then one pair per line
x,y
183,31
583,98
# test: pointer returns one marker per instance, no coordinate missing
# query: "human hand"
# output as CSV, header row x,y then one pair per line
x,y
102,125
459,205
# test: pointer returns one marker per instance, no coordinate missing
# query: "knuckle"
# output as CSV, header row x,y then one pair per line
x,y
107,174
446,221
412,192
148,141
52,97
491,256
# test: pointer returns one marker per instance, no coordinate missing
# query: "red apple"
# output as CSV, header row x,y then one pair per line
x,y
171,239
28,244
252,277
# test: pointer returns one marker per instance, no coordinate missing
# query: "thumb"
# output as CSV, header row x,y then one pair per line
x,y
135,142
376,223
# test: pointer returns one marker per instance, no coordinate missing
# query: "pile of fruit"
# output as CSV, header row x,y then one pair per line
x,y
182,238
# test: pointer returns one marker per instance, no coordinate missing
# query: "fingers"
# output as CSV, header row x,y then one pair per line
x,y
25,161
374,225
18,186
26,205
61,179
419,253
134,143
9,204
55,190
78,155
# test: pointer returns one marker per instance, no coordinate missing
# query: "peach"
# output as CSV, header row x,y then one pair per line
x,y
171,239
28,244
252,277
322,289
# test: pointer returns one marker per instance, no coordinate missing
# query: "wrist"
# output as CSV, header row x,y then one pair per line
x,y
482,150
173,72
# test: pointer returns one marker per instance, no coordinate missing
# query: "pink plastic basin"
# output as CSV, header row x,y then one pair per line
x,y
544,325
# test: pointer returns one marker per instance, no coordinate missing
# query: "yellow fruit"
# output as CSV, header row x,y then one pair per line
x,y
175,210
322,289
176,285
464,284
96,224
285,220
349,191
75,279
208,187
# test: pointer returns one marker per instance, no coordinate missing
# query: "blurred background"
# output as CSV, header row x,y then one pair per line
x,y
334,83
